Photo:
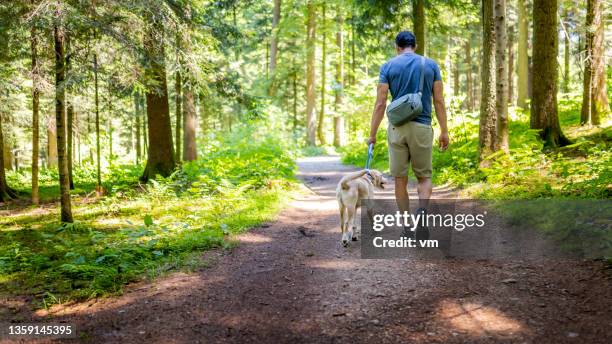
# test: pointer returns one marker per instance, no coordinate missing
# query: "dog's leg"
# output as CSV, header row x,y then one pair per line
x,y
350,224
342,224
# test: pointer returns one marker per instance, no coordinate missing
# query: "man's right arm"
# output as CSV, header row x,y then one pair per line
x,y
438,97
379,110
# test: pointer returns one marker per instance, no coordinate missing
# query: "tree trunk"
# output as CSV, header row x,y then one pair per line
x,y
137,113
51,142
109,125
478,76
274,40
338,118
311,120
468,73
178,85
60,119
295,94
566,53
70,114
530,78
523,57
600,106
7,155
145,125
161,153
76,141
545,48
189,122
276,15
6,193
204,123
35,113
15,155
70,143
587,83
97,106
501,90
487,130
353,40
510,65
456,78
418,8
320,124
91,150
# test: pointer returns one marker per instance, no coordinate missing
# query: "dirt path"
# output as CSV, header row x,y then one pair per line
x,y
292,281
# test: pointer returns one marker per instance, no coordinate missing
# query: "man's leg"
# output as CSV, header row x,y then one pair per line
x,y
420,144
401,194
403,201
399,160
424,189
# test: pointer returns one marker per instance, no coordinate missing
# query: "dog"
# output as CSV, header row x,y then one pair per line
x,y
350,190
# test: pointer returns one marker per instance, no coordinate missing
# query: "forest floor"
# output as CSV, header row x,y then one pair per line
x,y
292,281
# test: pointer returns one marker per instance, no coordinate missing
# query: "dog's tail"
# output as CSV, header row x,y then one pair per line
x,y
344,181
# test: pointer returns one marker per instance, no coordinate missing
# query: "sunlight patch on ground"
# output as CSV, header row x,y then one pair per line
x,y
111,222
252,238
175,286
320,158
317,205
477,319
336,264
320,175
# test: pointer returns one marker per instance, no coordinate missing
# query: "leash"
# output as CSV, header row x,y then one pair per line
x,y
370,154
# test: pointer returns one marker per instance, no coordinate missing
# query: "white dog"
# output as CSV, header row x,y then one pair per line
x,y
351,189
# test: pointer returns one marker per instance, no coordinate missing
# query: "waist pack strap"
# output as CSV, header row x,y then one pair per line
x,y
422,75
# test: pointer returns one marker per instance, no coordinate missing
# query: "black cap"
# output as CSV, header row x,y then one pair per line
x,y
405,39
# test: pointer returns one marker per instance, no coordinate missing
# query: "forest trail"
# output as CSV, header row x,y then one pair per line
x,y
292,281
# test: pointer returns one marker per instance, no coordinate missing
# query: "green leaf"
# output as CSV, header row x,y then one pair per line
x,y
148,220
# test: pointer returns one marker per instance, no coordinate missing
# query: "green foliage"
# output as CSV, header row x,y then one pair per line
x,y
114,179
248,156
240,182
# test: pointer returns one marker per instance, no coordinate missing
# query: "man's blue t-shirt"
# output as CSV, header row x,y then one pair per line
x,y
403,72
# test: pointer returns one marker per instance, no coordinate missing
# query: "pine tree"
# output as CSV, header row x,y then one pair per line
x,y
311,120
488,118
60,118
544,115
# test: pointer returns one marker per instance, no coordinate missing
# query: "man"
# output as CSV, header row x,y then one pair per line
x,y
411,143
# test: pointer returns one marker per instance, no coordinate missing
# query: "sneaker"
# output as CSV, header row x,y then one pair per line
x,y
422,232
407,233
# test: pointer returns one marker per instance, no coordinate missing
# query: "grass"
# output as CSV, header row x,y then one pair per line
x,y
141,231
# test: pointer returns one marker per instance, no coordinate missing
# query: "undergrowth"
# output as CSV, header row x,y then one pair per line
x,y
138,230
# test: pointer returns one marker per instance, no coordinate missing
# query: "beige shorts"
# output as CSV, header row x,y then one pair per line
x,y
410,144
